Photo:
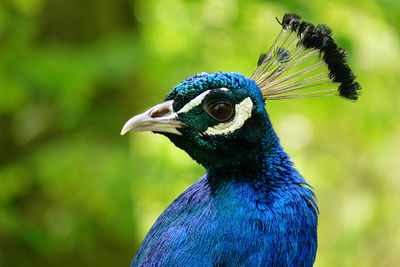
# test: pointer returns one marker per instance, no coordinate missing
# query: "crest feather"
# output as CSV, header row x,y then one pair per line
x,y
304,57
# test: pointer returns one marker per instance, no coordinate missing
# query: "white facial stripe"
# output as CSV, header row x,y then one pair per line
x,y
243,112
197,101
194,102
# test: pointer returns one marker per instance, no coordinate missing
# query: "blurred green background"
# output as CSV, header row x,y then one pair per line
x,y
73,192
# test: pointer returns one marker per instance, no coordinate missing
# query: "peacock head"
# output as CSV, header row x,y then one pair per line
x,y
219,119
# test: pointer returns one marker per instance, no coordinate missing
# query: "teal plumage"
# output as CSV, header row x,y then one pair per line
x,y
252,208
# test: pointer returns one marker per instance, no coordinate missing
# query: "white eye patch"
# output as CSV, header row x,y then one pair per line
x,y
243,112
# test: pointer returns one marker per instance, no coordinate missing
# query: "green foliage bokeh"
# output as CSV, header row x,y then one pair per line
x,y
73,192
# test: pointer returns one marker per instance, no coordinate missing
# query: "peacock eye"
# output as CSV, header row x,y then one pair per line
x,y
222,111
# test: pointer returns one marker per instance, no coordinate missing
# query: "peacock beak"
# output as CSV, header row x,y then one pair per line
x,y
160,118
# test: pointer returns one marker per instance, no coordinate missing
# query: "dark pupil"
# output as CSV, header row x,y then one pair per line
x,y
221,111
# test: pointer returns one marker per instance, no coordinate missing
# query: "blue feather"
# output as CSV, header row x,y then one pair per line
x,y
263,218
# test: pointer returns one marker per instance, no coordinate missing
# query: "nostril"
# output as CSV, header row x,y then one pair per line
x,y
160,112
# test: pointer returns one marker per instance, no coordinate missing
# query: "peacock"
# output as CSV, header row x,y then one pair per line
x,y
252,207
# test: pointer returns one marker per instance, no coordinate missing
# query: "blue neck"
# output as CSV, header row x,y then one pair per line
x,y
265,163
260,214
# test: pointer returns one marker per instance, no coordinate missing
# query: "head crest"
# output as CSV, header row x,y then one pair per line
x,y
304,57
